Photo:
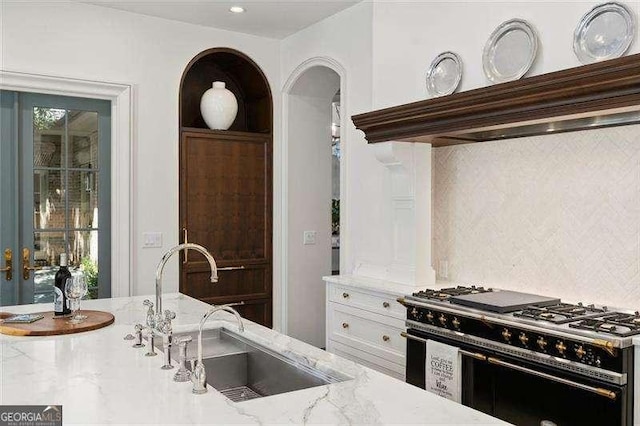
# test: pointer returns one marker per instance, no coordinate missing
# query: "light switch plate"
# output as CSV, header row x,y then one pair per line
x,y
152,240
309,238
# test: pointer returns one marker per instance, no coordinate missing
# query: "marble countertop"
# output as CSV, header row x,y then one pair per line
x,y
389,287
100,379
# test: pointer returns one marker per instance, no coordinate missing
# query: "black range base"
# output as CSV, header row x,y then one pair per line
x,y
564,363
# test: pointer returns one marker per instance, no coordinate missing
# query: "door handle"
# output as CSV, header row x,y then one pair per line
x,y
8,263
599,391
26,264
475,355
231,268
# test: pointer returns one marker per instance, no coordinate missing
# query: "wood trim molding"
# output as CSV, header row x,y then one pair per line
x,y
596,95
122,177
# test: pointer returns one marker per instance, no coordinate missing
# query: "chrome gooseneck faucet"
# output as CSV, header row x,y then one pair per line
x,y
199,375
160,321
165,258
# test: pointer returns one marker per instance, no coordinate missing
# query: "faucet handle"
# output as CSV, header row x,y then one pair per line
x,y
184,341
138,343
183,375
166,321
150,314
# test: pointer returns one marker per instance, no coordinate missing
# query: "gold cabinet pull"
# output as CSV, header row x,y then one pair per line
x,y
385,338
8,263
26,264
232,268
345,325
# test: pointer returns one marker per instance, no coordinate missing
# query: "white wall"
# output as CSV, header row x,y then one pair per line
x,y
366,231
346,38
407,36
309,199
94,43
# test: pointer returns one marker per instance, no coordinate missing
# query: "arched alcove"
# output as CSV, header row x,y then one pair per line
x,y
242,76
226,181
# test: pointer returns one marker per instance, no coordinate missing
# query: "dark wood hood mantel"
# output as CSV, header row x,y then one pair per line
x,y
591,96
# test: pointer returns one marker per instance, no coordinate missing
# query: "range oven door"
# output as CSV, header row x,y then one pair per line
x,y
525,393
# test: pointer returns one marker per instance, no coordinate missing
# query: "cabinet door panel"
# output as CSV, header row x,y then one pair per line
x,y
226,206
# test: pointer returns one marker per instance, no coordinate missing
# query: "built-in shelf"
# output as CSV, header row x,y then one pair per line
x,y
211,132
241,76
590,96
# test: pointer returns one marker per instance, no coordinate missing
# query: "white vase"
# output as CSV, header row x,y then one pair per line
x,y
218,107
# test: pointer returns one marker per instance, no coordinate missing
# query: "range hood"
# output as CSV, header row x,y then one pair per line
x,y
598,95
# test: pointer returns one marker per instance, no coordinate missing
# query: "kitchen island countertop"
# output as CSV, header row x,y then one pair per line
x,y
99,378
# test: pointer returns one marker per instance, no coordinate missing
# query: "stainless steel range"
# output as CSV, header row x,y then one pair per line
x,y
529,358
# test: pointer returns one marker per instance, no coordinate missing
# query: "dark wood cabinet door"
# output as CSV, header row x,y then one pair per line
x,y
226,206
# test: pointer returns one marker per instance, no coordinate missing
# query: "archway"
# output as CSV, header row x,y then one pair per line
x,y
309,111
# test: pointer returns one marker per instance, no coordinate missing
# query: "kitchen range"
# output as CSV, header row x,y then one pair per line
x,y
528,359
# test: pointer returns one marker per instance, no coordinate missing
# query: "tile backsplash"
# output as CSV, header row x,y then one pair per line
x,y
556,214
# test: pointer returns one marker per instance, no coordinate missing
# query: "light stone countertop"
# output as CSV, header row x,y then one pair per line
x,y
100,379
384,286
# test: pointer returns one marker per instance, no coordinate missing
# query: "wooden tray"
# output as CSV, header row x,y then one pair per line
x,y
48,326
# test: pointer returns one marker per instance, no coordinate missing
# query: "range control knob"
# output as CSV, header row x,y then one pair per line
x,y
430,316
542,343
561,347
443,320
455,322
506,335
523,339
414,313
580,352
598,361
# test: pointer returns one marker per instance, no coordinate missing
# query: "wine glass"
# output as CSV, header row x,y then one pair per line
x,y
73,293
81,282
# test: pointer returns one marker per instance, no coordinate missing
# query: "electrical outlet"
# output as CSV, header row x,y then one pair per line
x,y
152,240
309,238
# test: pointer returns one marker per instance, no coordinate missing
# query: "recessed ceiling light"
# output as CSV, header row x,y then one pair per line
x,y
236,9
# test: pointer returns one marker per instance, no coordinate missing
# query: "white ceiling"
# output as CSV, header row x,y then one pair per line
x,y
267,18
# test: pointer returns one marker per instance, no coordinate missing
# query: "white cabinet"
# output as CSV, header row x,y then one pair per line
x,y
364,325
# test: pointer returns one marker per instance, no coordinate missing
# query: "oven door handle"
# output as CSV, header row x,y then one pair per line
x,y
462,351
599,391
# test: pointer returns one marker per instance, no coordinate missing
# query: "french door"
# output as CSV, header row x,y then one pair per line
x,y
55,193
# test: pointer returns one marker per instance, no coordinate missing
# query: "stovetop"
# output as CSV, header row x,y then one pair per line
x,y
446,293
592,321
561,313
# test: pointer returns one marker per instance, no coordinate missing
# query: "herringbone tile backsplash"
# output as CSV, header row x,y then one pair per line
x,y
556,214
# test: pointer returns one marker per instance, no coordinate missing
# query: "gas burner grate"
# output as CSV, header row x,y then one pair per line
x,y
446,293
561,313
616,323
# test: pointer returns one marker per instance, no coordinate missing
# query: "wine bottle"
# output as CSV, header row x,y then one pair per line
x,y
60,305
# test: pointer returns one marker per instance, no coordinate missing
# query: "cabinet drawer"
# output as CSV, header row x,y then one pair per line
x,y
380,303
368,332
368,360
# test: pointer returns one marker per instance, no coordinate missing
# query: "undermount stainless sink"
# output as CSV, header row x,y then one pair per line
x,y
241,369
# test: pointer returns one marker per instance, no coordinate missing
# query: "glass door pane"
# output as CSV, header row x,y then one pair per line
x,y
69,162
